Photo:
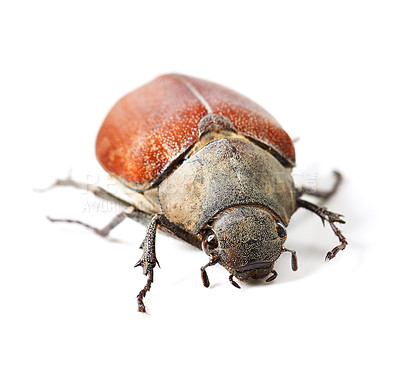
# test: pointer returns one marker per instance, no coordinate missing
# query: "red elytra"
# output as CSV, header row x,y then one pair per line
x,y
151,127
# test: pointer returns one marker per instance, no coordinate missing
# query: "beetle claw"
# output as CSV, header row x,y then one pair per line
x,y
329,256
331,218
343,242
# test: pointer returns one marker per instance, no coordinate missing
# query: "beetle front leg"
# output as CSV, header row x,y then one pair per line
x,y
331,218
148,261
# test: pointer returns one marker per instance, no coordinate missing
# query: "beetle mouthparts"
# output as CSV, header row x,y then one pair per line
x,y
254,265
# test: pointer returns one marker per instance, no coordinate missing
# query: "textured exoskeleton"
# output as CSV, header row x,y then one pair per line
x,y
206,165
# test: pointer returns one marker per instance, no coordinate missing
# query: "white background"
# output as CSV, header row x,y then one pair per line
x,y
328,71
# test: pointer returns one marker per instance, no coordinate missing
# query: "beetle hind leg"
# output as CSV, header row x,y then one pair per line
x,y
127,209
331,218
103,232
96,190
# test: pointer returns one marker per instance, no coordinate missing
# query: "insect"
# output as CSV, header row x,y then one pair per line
x,y
208,166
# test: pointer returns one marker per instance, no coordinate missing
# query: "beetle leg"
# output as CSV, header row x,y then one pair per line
x,y
128,211
135,214
103,232
148,261
96,190
204,276
324,195
331,218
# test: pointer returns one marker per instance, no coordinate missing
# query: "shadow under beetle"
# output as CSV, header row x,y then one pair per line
x,y
206,165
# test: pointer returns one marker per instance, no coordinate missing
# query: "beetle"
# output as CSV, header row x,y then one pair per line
x,y
206,165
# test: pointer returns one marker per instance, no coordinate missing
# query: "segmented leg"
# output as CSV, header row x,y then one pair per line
x,y
96,190
148,261
323,195
135,214
331,218
127,212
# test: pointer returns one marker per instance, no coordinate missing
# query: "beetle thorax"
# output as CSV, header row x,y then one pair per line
x,y
225,173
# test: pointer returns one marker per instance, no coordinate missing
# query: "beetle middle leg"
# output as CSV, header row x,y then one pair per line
x,y
331,218
130,212
323,195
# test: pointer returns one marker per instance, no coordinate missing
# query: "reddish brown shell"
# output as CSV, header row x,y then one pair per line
x,y
151,127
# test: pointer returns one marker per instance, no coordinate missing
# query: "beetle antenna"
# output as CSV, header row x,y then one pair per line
x,y
204,276
272,276
233,282
295,265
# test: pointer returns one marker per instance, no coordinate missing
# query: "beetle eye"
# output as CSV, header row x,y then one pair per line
x,y
210,242
281,229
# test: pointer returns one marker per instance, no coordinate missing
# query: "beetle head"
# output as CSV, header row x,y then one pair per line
x,y
247,240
